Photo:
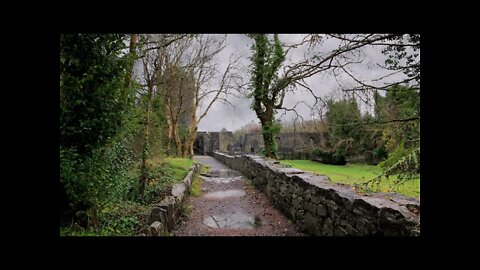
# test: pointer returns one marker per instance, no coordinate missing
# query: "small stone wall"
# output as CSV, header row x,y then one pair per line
x,y
165,214
320,207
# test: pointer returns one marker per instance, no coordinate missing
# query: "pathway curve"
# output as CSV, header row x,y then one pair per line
x,y
230,206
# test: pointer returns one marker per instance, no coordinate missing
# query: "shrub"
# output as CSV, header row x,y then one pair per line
x,y
328,157
395,156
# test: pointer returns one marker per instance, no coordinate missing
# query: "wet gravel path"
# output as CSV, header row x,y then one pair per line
x,y
230,206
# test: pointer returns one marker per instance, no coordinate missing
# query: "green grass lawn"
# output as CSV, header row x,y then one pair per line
x,y
179,166
355,174
163,173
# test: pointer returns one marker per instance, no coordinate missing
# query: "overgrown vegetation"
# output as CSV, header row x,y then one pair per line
x,y
196,188
161,175
267,90
114,126
115,219
328,157
128,212
348,134
186,211
257,222
95,122
391,136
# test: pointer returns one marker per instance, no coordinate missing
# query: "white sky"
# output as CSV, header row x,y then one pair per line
x,y
225,116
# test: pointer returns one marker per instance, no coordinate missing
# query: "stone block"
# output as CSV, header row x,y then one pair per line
x,y
297,202
351,230
327,229
321,210
312,224
156,228
300,214
157,214
310,207
339,231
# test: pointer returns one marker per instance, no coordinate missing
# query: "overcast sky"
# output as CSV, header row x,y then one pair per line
x,y
223,115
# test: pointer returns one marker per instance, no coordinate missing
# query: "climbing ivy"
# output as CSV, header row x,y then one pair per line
x,y
266,89
95,121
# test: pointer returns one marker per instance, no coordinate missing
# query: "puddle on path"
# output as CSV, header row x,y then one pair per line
x,y
221,173
221,176
221,180
230,193
235,220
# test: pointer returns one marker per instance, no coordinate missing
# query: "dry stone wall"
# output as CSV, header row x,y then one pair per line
x,y
322,208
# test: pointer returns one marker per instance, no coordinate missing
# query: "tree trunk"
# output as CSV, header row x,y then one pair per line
x,y
176,139
186,144
192,141
143,168
133,45
269,141
169,126
267,133
191,134
189,141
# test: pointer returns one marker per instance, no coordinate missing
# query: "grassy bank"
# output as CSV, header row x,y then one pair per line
x,y
355,174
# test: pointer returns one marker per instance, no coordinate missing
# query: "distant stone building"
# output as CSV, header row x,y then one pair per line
x,y
297,145
208,142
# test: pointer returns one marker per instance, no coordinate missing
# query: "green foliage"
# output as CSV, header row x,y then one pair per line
x,y
269,132
399,103
352,133
340,116
93,100
267,59
119,219
95,121
196,188
92,180
348,134
123,216
328,157
405,169
162,174
204,168
186,211
379,153
401,139
395,156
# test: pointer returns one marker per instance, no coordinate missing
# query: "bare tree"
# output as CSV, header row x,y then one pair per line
x,y
196,57
132,52
206,69
153,58
150,65
403,57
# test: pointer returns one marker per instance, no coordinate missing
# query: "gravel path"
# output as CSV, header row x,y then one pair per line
x,y
230,206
